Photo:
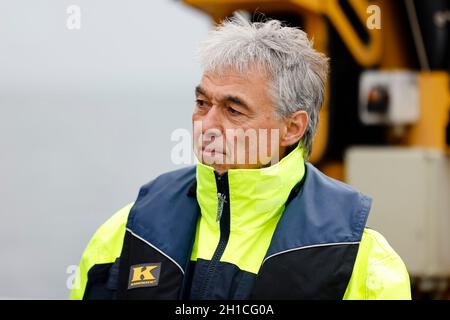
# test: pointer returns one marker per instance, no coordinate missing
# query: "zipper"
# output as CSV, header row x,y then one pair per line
x,y
223,215
221,199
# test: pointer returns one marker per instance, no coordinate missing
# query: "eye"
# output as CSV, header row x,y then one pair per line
x,y
200,103
234,111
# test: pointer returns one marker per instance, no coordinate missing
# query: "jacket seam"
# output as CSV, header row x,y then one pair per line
x,y
363,214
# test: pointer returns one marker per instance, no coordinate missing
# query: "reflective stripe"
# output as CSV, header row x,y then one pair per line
x,y
159,250
307,247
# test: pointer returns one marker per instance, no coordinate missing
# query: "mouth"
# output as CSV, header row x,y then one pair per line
x,y
212,152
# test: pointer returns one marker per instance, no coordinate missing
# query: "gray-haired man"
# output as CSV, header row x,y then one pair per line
x,y
253,219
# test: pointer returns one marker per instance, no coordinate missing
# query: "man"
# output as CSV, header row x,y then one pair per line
x,y
253,219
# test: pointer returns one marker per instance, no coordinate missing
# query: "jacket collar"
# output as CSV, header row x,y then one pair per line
x,y
256,196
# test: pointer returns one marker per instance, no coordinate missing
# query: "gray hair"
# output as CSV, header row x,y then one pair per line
x,y
298,73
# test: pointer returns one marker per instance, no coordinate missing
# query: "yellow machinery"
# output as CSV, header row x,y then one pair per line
x,y
389,81
384,48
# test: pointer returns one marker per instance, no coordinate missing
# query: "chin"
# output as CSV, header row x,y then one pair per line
x,y
220,169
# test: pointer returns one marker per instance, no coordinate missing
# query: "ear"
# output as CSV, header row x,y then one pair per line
x,y
295,127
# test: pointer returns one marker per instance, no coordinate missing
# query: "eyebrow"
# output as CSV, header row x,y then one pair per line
x,y
200,90
228,98
236,100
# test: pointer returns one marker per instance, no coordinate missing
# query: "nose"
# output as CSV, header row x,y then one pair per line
x,y
212,122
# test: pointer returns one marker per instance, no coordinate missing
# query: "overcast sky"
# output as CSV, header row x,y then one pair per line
x,y
85,119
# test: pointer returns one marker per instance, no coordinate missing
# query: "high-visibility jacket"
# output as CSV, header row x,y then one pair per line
x,y
282,232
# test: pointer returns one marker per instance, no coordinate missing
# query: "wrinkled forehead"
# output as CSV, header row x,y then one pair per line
x,y
253,78
251,86
245,71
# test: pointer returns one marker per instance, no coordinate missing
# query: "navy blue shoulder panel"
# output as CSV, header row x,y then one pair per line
x,y
165,216
325,211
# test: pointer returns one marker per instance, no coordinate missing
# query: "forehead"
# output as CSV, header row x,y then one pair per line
x,y
253,84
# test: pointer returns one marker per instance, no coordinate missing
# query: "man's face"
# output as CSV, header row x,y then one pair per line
x,y
235,124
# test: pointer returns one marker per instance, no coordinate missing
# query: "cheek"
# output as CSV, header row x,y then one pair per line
x,y
196,130
195,116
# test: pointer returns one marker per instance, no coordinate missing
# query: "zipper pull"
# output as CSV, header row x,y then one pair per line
x,y
222,199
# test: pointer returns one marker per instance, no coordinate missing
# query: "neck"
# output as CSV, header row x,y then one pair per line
x,y
284,151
